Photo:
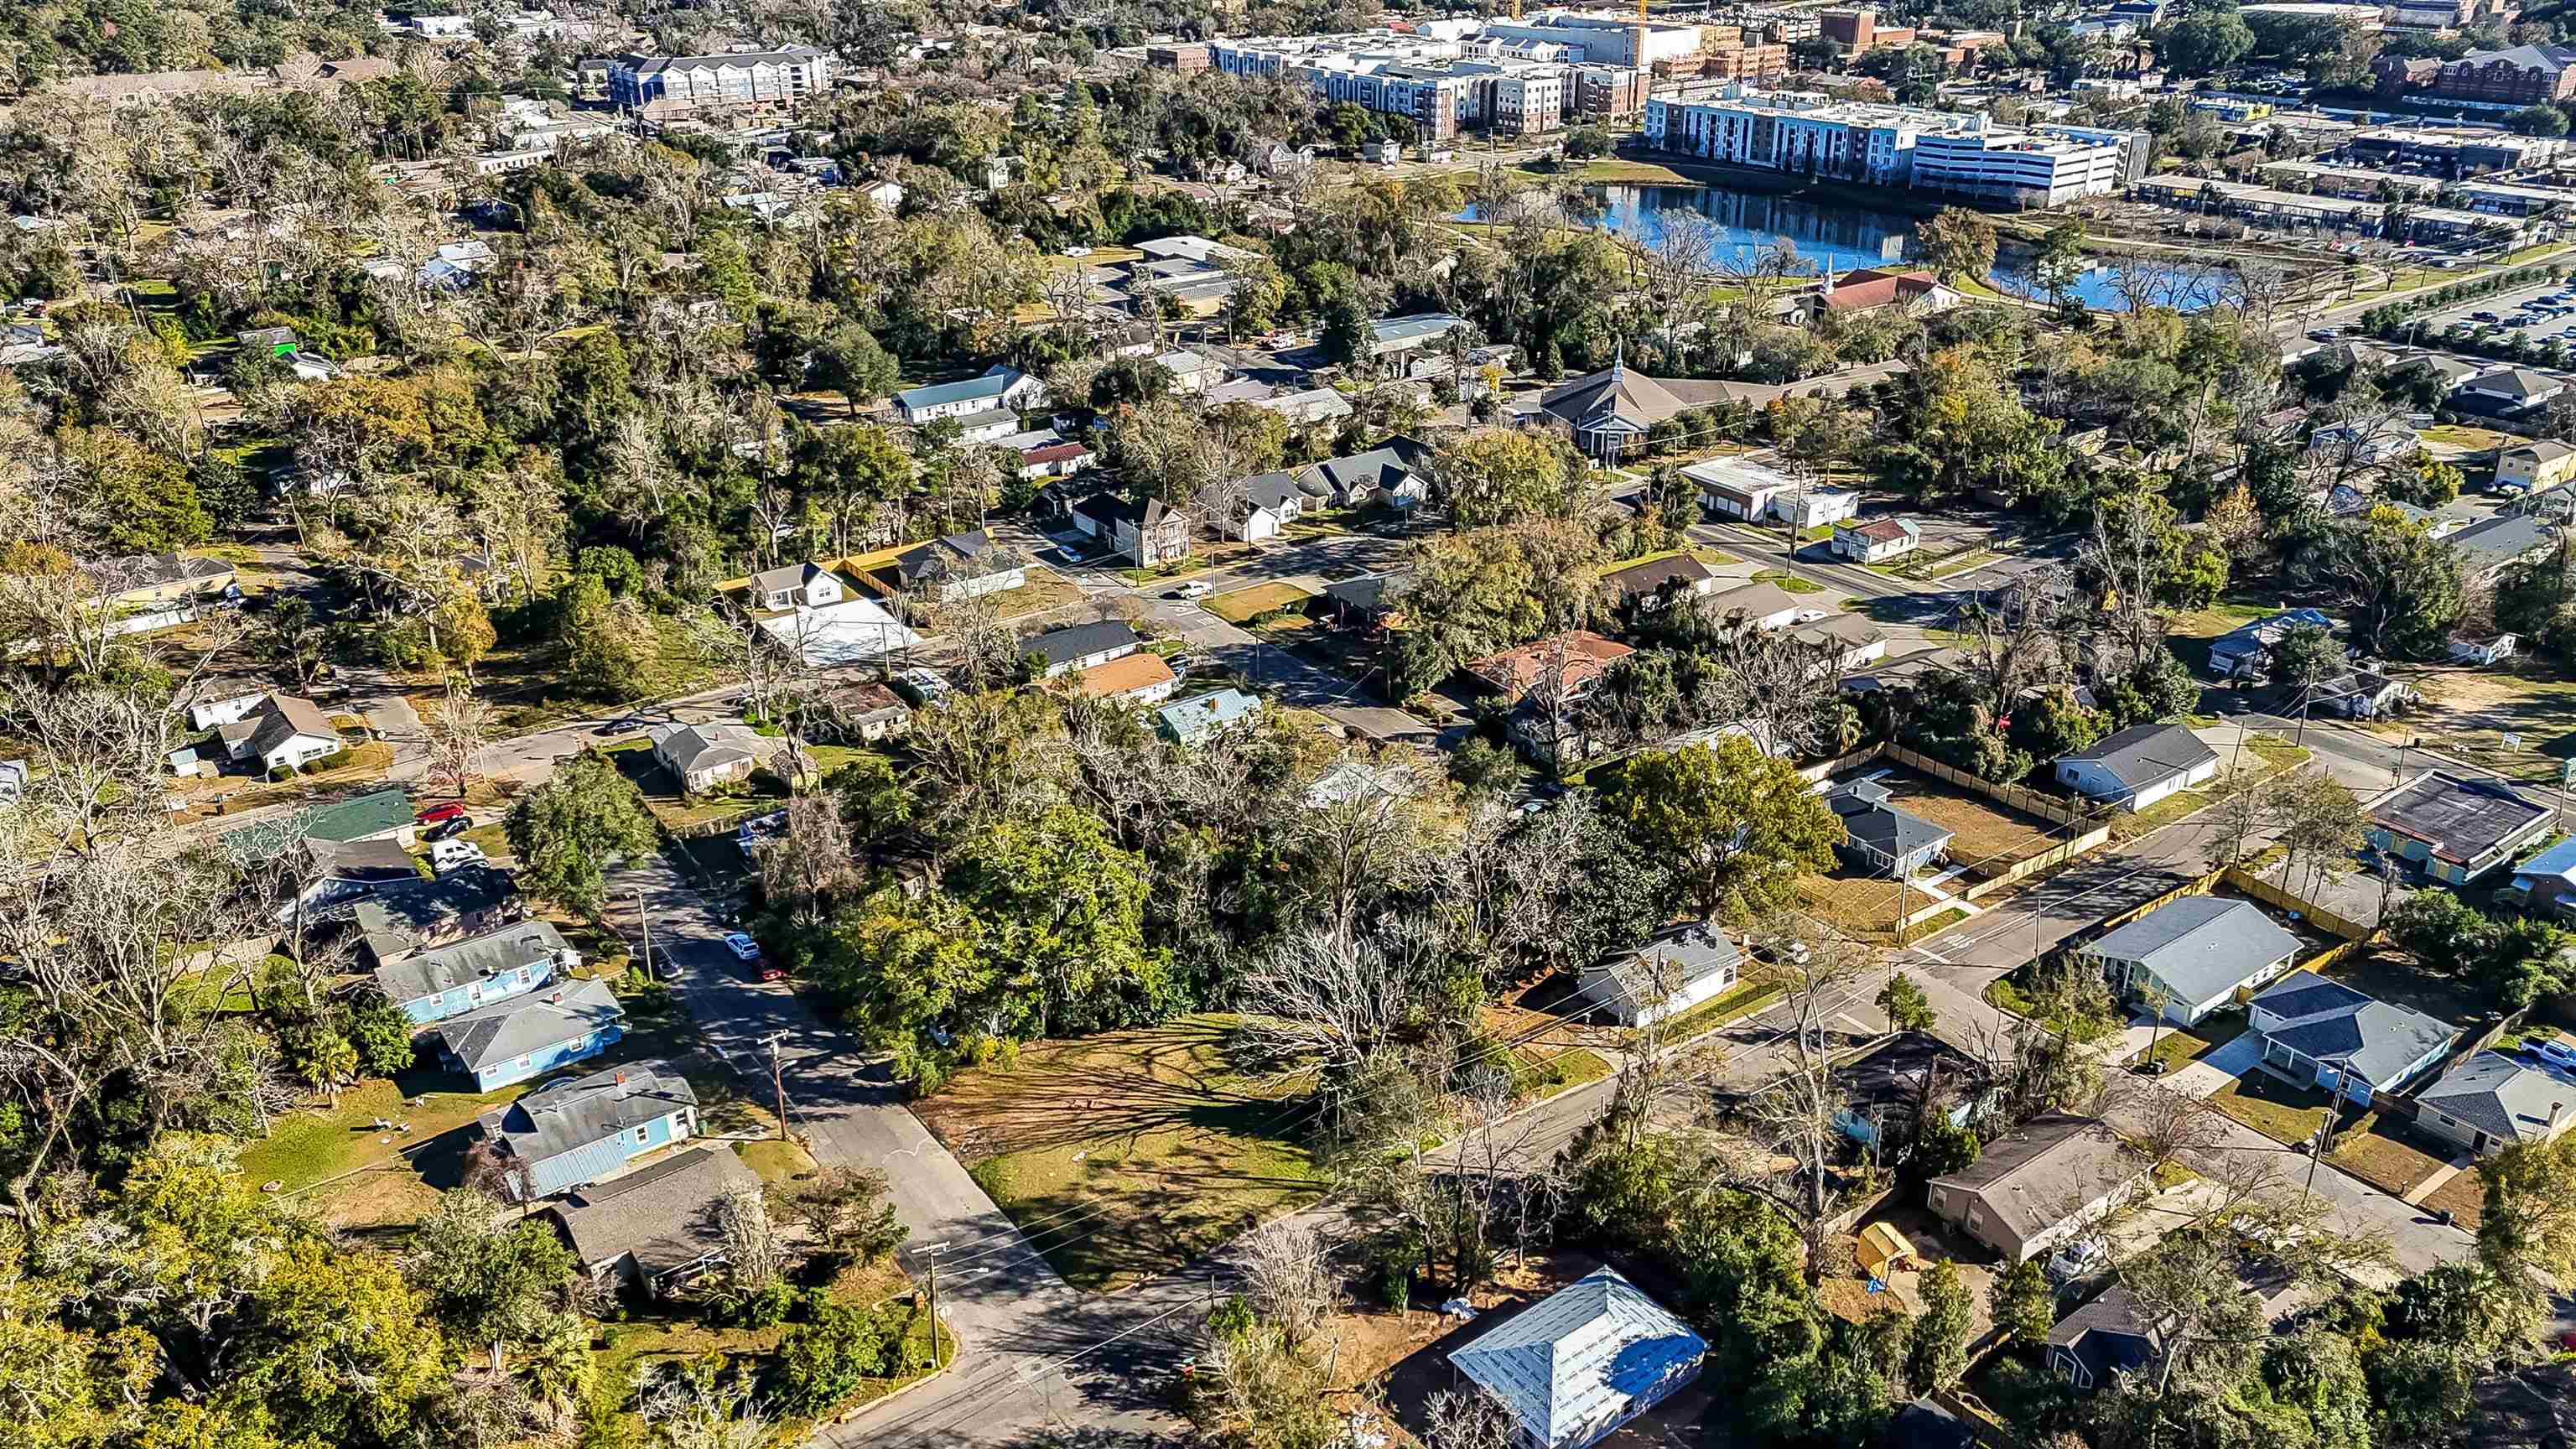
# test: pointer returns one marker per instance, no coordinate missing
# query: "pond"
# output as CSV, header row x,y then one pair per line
x,y
1847,236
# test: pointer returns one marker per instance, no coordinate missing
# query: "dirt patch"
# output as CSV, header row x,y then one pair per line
x,y
1856,903
1986,837
2468,712
1243,604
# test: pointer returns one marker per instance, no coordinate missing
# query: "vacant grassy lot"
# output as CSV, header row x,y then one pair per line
x,y
1985,833
2191,632
1788,581
1862,905
2378,1156
1243,604
2265,757
2272,1107
2468,712
1130,1153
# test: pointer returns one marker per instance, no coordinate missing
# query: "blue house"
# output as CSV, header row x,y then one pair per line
x,y
449,981
579,1130
2324,1034
529,1036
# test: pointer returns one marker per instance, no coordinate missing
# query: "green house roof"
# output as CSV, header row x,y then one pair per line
x,y
359,817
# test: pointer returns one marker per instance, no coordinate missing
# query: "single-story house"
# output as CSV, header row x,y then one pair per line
x,y
1755,606
2496,545
705,756
2535,467
1314,405
582,1129
853,631
401,917
2493,1101
2325,1034
1000,387
1692,963
2456,828
1896,1079
528,1036
2194,955
376,815
1643,584
656,1228
1080,646
1578,658
2139,766
2469,649
2030,1191
282,732
1269,503
341,872
2358,694
1844,641
1880,838
1580,1362
145,581
2547,881
1916,292
1203,717
1389,474
960,566
869,711
1368,600
1355,780
2365,441
1877,540
223,702
2104,1338
2245,652
1146,534
1140,678
449,981
798,585
2507,390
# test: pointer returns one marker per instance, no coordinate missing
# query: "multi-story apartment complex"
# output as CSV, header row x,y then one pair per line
x,y
1858,32
1809,134
1514,85
664,87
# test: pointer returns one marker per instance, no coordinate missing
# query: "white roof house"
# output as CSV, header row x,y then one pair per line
x,y
1584,1360
850,632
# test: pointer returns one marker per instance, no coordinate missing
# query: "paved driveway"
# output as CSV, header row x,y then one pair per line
x,y
2213,1072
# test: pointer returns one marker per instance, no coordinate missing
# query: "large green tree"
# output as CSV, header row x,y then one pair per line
x,y
566,831
1737,826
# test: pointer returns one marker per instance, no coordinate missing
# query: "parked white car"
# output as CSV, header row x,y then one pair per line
x,y
447,855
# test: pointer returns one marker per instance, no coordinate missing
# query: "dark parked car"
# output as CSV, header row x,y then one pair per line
x,y
452,826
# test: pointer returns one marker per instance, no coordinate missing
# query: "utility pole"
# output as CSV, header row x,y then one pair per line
x,y
934,1311
645,919
2325,1129
778,1083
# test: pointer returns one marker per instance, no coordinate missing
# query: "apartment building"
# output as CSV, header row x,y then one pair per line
x,y
665,87
1800,132
2025,168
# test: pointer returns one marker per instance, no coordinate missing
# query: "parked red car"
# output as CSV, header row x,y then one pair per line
x,y
452,810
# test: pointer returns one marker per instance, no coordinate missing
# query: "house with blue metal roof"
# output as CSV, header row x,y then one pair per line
x,y
581,1130
529,1036
1001,387
1201,718
2546,882
1579,1363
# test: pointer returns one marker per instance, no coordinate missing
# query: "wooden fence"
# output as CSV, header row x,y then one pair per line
x,y
2055,855
2022,798
2352,931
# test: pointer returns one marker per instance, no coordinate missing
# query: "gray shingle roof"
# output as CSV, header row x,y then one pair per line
x,y
2377,1041
1869,819
1059,646
2033,1178
690,748
513,1028
2201,946
1642,580
2502,1097
664,1215
571,1114
1581,1356
2145,755
401,914
2500,541
427,973
1388,465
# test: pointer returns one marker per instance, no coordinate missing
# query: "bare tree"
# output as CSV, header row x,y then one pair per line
x,y
1326,1006
689,1411
1796,1111
754,1255
1469,1418
1289,1279
457,729
812,863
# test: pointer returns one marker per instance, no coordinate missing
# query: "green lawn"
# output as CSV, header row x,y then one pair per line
x,y
1242,605
1747,998
2184,1044
2272,1107
1788,581
1130,1153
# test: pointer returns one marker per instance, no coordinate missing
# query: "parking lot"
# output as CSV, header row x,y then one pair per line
x,y
2496,308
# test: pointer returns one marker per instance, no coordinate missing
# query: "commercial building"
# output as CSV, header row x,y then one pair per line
x,y
667,86
1858,32
2450,153
1187,59
1510,84
2350,182
2259,203
1601,38
2025,168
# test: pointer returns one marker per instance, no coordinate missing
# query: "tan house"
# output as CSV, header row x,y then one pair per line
x,y
144,581
2535,467
2044,1184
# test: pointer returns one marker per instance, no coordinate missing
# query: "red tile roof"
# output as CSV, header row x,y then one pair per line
x,y
1862,290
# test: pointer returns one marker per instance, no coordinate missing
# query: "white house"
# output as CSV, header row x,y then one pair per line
x,y
2193,955
795,586
1001,387
223,703
888,195
281,732
705,756
1877,540
1678,969
1269,502
2139,766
